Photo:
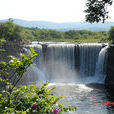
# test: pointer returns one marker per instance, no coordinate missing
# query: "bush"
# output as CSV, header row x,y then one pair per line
x,y
32,99
12,71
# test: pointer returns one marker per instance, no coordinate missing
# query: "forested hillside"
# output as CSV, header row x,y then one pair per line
x,y
15,33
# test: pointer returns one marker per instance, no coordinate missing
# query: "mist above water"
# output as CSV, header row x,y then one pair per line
x,y
68,62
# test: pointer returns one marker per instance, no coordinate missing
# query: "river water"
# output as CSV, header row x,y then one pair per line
x,y
88,98
77,71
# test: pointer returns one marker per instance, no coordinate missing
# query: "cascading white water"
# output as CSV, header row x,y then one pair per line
x,y
88,57
92,58
35,72
100,71
58,62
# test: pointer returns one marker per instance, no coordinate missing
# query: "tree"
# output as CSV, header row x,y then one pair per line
x,y
72,34
11,32
97,10
10,20
55,34
111,34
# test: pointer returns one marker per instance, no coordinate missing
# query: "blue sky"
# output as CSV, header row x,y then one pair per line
x,y
48,10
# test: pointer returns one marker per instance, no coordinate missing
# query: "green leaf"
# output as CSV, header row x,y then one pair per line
x,y
2,50
2,40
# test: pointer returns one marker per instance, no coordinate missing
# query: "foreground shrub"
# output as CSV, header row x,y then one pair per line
x,y
12,71
29,99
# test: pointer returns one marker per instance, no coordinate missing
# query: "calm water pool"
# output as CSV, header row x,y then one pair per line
x,y
88,98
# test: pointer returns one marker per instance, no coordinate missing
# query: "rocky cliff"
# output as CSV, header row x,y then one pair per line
x,y
109,81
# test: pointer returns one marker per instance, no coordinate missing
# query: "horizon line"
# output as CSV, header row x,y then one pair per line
x,y
55,21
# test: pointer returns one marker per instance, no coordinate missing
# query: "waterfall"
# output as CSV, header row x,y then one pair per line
x,y
60,62
69,62
35,72
100,66
88,57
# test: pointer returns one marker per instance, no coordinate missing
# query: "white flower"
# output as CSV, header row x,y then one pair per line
x,y
11,61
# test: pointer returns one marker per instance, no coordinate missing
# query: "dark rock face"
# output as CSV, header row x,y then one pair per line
x,y
109,81
10,49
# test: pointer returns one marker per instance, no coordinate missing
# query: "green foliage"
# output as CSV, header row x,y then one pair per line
x,y
1,42
11,32
23,98
69,36
12,72
72,34
97,10
111,34
15,33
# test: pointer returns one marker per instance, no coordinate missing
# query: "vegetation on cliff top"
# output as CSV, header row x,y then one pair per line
x,y
15,33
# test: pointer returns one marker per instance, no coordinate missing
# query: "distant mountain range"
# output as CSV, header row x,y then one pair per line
x,y
64,26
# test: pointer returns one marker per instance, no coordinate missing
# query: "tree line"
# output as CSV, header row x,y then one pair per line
x,y
15,33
